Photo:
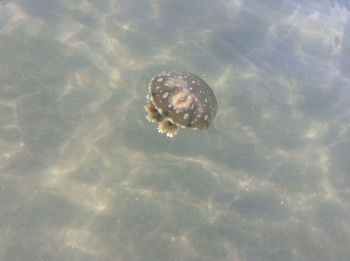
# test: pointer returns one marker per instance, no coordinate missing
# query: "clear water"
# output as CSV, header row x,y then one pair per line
x,y
84,176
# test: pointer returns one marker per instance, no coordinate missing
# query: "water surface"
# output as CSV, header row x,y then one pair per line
x,y
84,175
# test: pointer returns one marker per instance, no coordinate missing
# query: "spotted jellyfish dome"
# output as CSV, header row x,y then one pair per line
x,y
182,99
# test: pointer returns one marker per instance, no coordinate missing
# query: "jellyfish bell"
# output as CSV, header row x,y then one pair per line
x,y
179,99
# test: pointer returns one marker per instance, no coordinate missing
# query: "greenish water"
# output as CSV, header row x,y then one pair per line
x,y
84,175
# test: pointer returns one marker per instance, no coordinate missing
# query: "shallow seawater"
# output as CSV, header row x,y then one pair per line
x,y
85,176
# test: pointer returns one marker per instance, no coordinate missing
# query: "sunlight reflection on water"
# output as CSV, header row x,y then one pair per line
x,y
86,177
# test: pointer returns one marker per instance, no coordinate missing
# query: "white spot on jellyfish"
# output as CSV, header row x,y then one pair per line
x,y
160,79
205,100
160,110
157,87
186,115
177,111
165,95
206,117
